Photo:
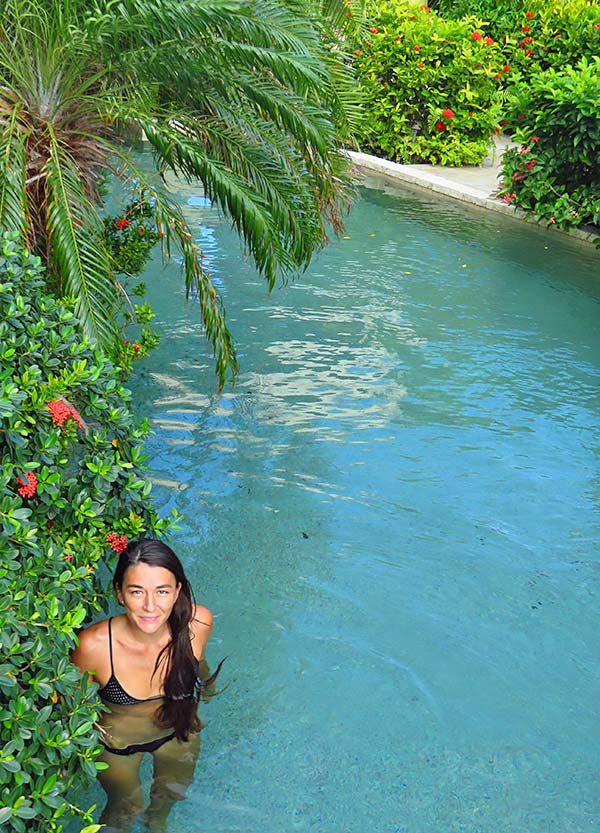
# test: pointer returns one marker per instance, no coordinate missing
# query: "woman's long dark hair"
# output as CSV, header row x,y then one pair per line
x,y
182,685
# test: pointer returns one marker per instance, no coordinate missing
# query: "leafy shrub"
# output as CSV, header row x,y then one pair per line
x,y
70,483
554,171
431,85
535,35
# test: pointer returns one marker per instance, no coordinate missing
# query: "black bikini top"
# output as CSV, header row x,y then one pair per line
x,y
113,691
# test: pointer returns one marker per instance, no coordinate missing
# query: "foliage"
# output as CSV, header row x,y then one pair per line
x,y
240,96
535,35
554,170
70,483
431,85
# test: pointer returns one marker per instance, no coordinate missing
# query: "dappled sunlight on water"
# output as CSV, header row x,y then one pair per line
x,y
395,516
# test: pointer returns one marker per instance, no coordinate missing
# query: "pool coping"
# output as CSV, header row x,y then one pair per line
x,y
429,178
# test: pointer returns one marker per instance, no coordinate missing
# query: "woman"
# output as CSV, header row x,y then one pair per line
x,y
147,662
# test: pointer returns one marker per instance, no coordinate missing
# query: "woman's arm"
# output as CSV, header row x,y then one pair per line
x,y
200,628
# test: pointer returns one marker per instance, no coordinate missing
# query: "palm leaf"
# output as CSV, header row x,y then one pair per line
x,y
75,248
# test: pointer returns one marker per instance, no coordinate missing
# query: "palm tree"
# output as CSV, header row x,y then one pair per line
x,y
243,96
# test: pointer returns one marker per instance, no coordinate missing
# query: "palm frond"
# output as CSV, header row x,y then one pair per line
x,y
75,249
13,204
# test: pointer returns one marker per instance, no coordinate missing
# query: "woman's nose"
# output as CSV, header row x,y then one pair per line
x,y
149,602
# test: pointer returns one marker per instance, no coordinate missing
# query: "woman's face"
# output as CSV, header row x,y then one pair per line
x,y
148,595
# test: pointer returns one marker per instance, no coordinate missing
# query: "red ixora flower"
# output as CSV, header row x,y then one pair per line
x,y
439,125
416,48
596,25
122,223
529,53
420,64
116,542
476,35
28,487
357,52
506,68
489,41
61,412
373,30
535,139
526,29
67,556
448,114
136,347
529,15
551,221
530,164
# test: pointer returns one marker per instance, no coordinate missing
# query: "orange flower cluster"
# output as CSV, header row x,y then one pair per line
x,y
116,542
28,487
61,412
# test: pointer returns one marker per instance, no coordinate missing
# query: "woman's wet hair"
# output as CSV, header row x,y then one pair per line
x,y
182,685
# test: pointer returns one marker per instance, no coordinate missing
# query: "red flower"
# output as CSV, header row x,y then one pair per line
x,y
476,35
529,39
440,126
502,122
417,48
508,198
489,41
136,347
373,30
116,542
141,229
68,556
425,8
552,221
61,412
529,53
448,114
530,165
27,487
535,138
526,29
596,25
506,68
420,64
122,223
357,52
529,15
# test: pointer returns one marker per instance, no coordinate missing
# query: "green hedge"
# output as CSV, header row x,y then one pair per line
x,y
553,171
431,85
72,456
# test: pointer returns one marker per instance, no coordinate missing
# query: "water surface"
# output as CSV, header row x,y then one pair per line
x,y
394,516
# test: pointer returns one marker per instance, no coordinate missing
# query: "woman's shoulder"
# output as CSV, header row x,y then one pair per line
x,y
200,628
92,651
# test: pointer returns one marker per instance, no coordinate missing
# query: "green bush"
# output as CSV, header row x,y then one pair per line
x,y
70,485
535,35
431,85
554,170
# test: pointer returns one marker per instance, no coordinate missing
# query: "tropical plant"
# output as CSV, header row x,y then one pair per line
x,y
71,489
431,85
553,170
237,95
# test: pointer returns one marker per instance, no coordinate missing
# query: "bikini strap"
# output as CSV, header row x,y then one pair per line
x,y
110,653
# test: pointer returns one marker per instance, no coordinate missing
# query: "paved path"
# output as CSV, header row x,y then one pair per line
x,y
475,184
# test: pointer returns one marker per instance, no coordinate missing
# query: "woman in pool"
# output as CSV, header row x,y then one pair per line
x,y
148,662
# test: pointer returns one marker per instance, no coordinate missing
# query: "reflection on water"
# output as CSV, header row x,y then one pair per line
x,y
395,516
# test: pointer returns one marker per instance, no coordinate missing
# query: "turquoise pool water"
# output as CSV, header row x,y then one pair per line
x,y
394,516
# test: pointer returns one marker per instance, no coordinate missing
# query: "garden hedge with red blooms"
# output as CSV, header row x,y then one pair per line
x,y
431,85
72,492
441,82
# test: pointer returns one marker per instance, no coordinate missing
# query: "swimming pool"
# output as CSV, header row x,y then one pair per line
x,y
394,516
